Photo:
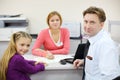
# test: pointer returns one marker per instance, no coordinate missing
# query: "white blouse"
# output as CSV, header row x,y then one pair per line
x,y
59,43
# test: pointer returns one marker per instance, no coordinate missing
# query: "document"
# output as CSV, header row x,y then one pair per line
x,y
55,60
52,64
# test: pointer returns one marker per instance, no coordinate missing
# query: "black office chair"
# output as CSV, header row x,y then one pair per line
x,y
79,54
80,51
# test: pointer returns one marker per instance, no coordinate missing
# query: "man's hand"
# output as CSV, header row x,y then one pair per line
x,y
78,62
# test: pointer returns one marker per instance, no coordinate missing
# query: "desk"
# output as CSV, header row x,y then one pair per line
x,y
67,74
55,70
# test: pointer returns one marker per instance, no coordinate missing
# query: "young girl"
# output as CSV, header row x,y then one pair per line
x,y
13,66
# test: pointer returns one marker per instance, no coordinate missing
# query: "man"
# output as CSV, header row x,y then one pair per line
x,y
102,59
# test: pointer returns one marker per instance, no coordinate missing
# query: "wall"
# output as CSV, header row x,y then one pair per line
x,y
71,10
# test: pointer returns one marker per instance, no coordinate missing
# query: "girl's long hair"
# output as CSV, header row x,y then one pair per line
x,y
10,51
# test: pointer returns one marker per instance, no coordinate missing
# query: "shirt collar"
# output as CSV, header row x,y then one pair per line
x,y
93,39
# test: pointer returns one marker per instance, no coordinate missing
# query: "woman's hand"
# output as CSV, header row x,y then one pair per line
x,y
49,55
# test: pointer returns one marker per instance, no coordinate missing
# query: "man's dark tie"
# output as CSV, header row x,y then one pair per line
x,y
85,54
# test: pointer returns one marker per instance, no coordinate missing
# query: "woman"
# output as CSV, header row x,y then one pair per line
x,y
55,40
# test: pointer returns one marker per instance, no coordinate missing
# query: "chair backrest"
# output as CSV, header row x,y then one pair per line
x,y
79,54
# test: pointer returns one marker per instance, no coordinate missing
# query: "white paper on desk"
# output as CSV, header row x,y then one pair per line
x,y
55,60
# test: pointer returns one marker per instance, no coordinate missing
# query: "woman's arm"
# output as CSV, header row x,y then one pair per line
x,y
36,50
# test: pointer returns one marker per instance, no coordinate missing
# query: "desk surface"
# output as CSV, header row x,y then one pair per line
x,y
55,70
52,64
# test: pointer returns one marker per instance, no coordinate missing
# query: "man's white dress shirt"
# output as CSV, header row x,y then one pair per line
x,y
103,63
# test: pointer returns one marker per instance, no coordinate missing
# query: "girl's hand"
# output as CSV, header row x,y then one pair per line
x,y
37,62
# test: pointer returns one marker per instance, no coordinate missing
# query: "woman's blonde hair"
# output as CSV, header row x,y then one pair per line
x,y
10,51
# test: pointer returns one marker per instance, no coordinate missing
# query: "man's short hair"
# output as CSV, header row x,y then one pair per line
x,y
95,10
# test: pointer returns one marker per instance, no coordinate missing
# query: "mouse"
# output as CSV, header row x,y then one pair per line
x,y
63,62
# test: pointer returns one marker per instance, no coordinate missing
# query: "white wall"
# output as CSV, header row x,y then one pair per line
x,y
71,10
